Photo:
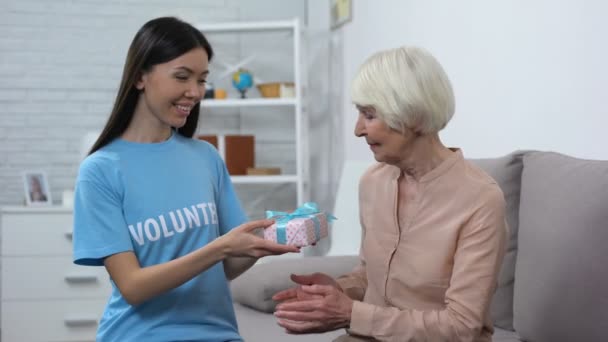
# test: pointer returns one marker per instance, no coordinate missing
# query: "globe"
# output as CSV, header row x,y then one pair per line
x,y
242,80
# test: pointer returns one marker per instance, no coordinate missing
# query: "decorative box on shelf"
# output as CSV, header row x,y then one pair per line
x,y
238,151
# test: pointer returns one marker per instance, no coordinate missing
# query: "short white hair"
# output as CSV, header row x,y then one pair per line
x,y
407,87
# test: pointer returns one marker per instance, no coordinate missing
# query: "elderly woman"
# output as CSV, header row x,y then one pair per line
x,y
434,229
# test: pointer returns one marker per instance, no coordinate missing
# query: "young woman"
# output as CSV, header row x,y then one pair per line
x,y
157,208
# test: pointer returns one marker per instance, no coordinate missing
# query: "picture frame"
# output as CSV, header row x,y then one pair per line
x,y
341,12
36,187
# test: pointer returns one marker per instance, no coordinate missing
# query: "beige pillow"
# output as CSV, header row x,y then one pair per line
x,y
506,171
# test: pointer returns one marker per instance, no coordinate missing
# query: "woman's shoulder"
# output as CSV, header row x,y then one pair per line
x,y
99,159
98,164
201,147
483,187
380,171
477,175
201,153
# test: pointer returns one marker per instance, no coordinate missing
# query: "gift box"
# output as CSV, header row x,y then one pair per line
x,y
302,227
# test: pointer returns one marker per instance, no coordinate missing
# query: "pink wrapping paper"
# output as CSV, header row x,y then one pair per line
x,y
300,231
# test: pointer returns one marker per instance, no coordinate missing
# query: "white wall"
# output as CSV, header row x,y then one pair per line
x,y
324,61
527,74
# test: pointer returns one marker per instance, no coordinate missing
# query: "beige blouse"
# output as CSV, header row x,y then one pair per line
x,y
430,254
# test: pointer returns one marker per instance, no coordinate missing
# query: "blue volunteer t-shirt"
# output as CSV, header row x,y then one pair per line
x,y
161,201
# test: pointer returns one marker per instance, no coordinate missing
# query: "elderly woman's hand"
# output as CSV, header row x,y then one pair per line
x,y
314,308
296,293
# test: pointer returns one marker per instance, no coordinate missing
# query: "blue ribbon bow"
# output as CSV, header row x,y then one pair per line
x,y
306,210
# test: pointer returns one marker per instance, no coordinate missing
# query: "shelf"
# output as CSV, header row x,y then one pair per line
x,y
264,179
37,209
292,29
247,26
248,102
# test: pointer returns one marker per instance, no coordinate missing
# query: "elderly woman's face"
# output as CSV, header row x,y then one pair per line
x,y
388,145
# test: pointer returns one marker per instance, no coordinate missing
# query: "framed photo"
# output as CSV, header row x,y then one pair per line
x,y
37,191
341,12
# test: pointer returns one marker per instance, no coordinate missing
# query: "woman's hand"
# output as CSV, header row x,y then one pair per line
x,y
296,293
243,242
326,308
317,304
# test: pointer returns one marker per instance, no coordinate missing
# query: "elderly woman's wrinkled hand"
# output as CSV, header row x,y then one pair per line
x,y
296,293
314,308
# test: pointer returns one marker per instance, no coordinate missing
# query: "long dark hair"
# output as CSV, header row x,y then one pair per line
x,y
158,41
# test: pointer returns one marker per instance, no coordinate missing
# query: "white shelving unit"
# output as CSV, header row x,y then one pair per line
x,y
300,178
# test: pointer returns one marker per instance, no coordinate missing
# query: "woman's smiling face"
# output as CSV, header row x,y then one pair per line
x,y
170,90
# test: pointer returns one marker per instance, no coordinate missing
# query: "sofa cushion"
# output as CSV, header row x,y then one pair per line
x,y
506,171
561,273
256,287
501,335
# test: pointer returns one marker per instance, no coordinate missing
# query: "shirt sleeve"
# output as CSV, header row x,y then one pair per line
x,y
100,229
478,256
229,210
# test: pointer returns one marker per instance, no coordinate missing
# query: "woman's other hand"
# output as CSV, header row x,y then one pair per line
x,y
317,304
316,308
296,293
243,242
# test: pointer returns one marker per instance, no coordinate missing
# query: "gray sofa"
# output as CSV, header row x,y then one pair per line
x,y
553,285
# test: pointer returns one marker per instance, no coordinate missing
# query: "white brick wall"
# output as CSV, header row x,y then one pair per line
x,y
60,65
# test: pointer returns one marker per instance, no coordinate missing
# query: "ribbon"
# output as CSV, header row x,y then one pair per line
x,y
306,210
